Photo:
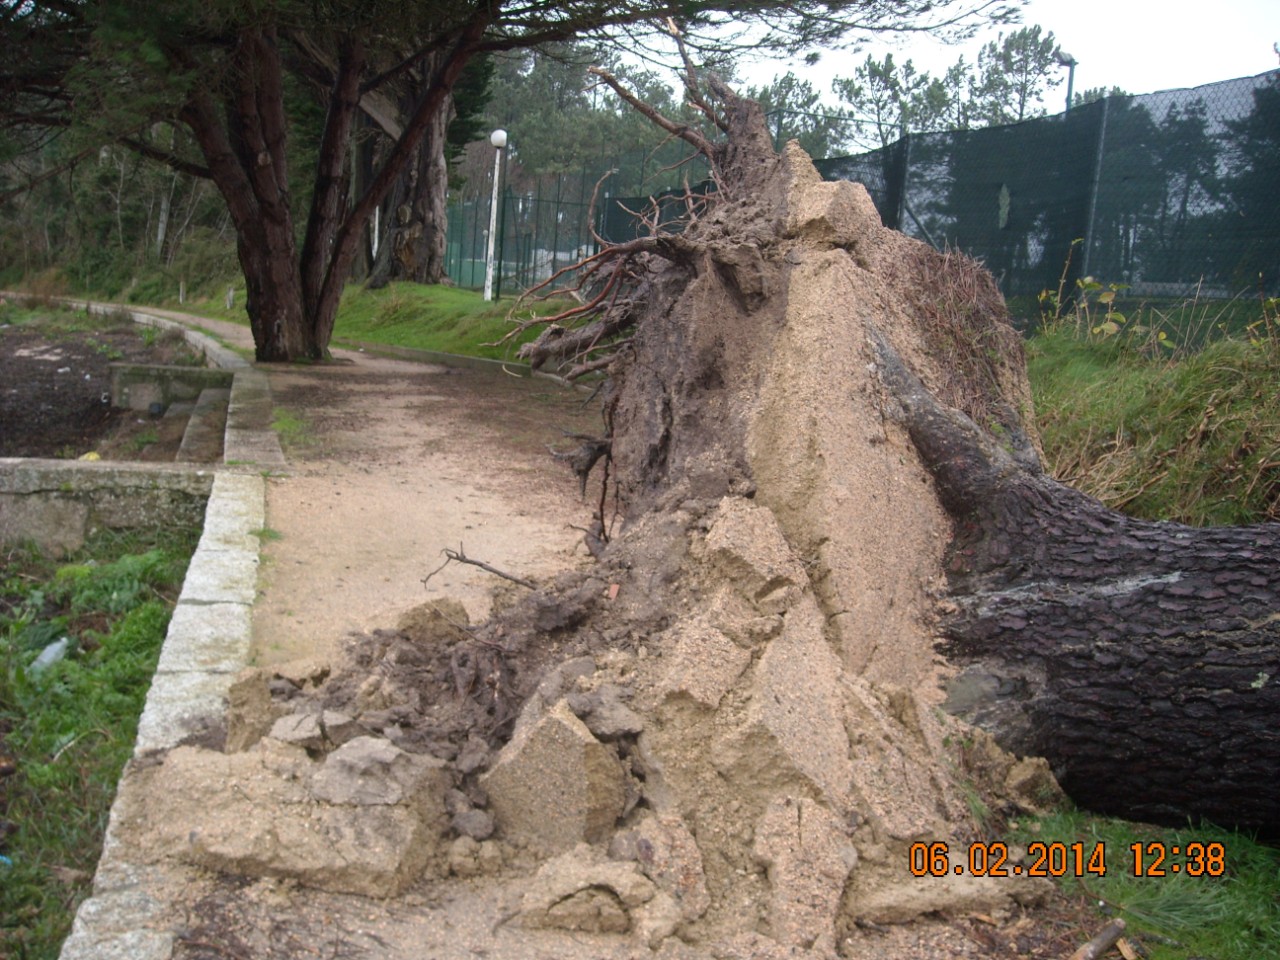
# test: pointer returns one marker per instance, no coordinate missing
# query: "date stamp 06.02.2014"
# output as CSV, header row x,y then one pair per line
x,y
1055,859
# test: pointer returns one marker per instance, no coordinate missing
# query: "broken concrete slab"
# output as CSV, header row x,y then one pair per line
x,y
371,771
747,548
830,213
794,724
605,713
317,730
369,825
554,684
476,824
896,782
555,785
889,894
669,856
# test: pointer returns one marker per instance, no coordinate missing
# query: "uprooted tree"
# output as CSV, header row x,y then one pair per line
x,y
1140,658
825,505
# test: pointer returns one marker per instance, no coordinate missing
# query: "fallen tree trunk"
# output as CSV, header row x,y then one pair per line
x,y
824,504
1140,658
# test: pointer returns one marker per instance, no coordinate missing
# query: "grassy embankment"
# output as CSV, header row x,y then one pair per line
x,y
442,319
1168,412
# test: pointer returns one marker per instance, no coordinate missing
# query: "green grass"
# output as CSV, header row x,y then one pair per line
x,y
1167,428
52,317
1235,916
145,438
416,316
444,319
70,729
293,429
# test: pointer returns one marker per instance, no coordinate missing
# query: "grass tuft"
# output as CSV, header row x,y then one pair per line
x,y
1235,916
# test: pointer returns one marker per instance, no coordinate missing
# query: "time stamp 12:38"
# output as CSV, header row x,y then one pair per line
x,y
1055,859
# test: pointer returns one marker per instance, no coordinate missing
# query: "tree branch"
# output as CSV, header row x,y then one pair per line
x,y
168,158
681,130
460,556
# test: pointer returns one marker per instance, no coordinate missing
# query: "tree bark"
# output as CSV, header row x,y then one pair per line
x,y
1141,659
416,224
348,234
293,295
247,164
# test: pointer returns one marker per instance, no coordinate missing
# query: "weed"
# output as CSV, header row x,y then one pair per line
x,y
145,438
70,728
106,350
293,429
268,535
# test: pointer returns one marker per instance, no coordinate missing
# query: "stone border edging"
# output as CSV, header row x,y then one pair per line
x,y
206,646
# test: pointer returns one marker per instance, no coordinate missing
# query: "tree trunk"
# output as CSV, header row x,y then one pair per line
x,y
348,233
246,157
1141,659
293,296
416,224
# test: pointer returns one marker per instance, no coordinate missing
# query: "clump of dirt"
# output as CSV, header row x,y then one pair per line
x,y
56,398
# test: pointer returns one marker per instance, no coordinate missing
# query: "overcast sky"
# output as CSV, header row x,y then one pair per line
x,y
1140,46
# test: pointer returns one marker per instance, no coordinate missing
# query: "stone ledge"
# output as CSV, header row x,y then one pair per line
x,y
59,503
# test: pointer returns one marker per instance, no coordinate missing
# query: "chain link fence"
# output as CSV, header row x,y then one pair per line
x,y
1172,194
547,222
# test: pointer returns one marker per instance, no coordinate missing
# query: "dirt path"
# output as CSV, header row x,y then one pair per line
x,y
391,463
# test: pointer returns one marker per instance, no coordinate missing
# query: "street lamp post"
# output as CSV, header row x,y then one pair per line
x,y
1067,60
499,140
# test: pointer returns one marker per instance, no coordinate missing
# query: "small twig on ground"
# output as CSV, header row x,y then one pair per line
x,y
1103,942
460,556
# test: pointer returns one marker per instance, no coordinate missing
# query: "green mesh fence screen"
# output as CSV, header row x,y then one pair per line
x,y
1173,193
545,222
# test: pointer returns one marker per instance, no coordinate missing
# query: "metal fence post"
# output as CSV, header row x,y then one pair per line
x,y
1093,186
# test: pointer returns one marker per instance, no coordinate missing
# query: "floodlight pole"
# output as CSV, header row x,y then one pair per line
x,y
499,140
1067,60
